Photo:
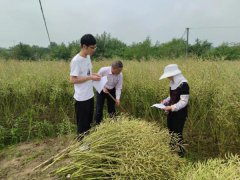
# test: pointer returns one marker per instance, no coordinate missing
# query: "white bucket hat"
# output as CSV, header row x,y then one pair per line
x,y
170,70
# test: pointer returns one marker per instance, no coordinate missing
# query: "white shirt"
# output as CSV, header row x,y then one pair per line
x,y
81,66
114,80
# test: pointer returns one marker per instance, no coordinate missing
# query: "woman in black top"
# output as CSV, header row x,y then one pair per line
x,y
176,104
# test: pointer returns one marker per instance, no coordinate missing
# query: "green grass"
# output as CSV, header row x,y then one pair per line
x,y
36,101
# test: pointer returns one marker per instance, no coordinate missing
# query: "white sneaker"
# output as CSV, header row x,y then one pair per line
x,y
84,147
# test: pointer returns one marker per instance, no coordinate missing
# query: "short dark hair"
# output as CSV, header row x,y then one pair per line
x,y
88,40
117,64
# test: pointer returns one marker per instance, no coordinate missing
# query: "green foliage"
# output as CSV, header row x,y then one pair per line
x,y
200,48
139,51
173,49
32,99
225,52
27,52
59,51
22,51
43,129
73,48
36,100
4,53
110,47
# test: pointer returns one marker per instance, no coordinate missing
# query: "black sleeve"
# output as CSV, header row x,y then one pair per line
x,y
184,88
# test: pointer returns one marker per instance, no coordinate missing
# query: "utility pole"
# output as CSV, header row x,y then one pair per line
x,y
187,29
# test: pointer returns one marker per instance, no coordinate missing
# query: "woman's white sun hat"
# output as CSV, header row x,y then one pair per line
x,y
170,70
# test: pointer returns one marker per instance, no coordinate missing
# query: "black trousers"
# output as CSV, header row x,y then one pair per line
x,y
84,115
175,124
100,104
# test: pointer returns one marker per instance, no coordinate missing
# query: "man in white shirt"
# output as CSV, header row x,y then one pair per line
x,y
81,76
113,87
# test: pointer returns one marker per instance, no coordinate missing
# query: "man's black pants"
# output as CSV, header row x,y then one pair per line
x,y
84,115
100,104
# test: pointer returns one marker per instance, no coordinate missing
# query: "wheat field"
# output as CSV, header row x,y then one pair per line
x,y
36,100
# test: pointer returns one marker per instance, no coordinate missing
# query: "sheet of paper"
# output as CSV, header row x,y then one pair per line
x,y
98,85
160,106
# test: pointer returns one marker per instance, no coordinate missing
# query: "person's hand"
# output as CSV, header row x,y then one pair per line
x,y
162,102
117,102
168,108
96,77
96,74
105,90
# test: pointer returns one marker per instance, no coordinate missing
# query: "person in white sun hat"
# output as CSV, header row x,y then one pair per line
x,y
176,104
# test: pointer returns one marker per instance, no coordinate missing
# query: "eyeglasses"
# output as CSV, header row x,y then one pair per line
x,y
93,47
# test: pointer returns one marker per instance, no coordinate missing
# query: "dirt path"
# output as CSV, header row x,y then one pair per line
x,y
18,161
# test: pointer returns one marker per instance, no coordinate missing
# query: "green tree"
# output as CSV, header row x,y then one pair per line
x,y
200,48
226,52
22,52
141,50
5,53
173,49
59,51
74,48
108,47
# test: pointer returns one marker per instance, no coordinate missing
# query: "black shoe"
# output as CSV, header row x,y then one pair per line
x,y
172,146
79,137
181,154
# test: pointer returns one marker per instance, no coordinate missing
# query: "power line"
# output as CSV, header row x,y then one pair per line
x,y
44,21
216,27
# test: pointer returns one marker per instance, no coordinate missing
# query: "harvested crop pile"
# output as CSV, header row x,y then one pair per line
x,y
123,149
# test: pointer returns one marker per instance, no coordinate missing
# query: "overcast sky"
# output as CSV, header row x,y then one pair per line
x,y
128,20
